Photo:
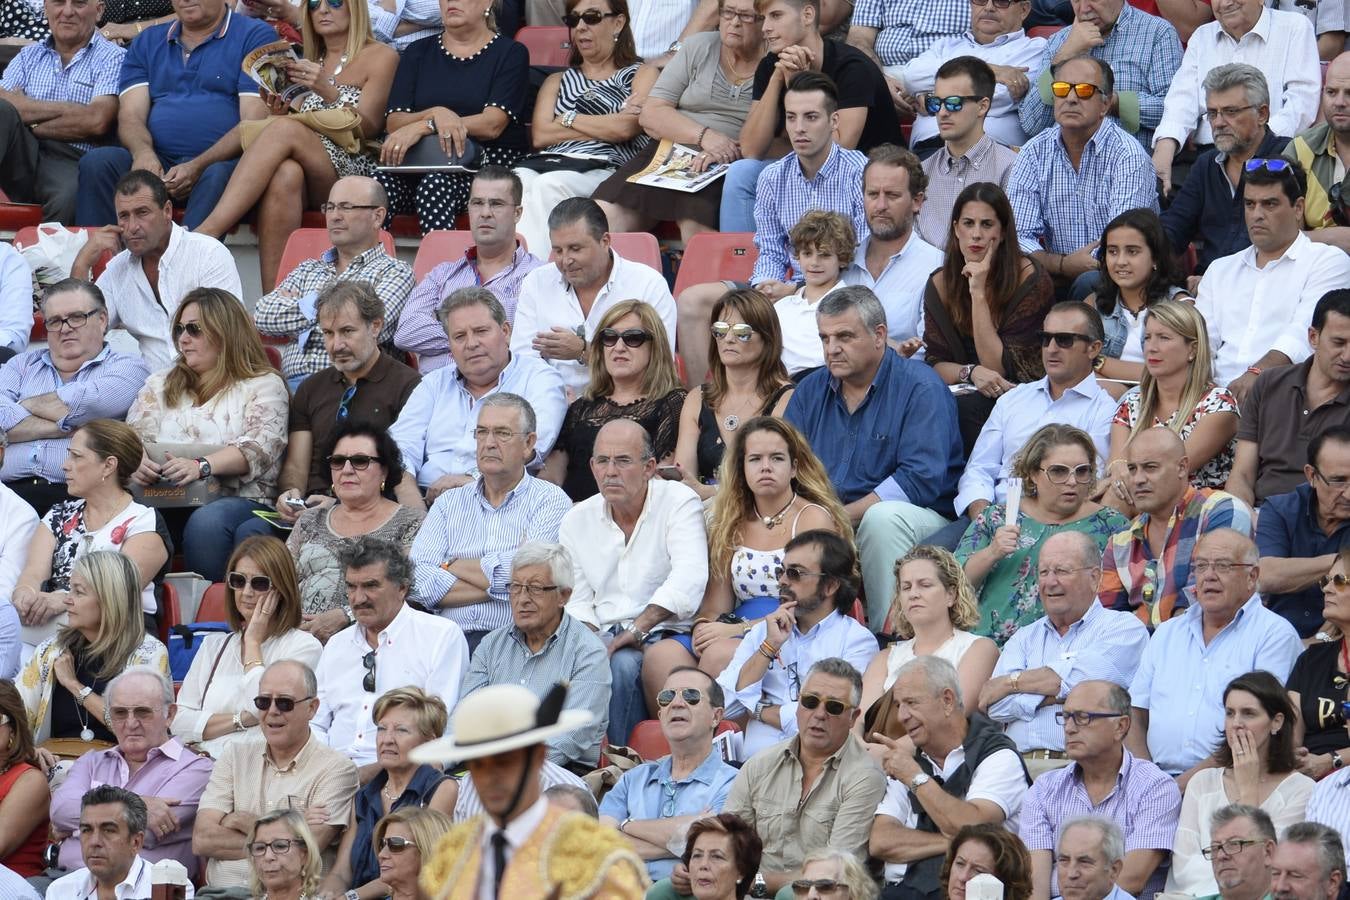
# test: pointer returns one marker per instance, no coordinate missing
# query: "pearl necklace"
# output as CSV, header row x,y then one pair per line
x,y
776,519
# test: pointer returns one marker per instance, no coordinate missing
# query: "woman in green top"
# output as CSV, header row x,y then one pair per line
x,y
1058,468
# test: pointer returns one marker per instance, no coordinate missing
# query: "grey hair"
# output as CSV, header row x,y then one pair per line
x,y
1330,848
307,675
1250,554
134,812
1231,75
516,402
471,296
854,874
1112,841
648,449
359,294
839,668
1234,811
582,796
166,686
366,551
555,556
941,675
1117,698
854,297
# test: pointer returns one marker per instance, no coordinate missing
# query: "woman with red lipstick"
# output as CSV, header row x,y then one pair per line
x,y
983,308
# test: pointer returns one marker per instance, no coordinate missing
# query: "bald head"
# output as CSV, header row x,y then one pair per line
x,y
1158,471
1075,545
1336,95
1228,543
1160,444
355,212
627,432
623,463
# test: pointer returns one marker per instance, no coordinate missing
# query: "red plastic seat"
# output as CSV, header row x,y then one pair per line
x,y
638,246
171,613
1044,31
711,256
649,743
549,45
212,608
310,243
274,356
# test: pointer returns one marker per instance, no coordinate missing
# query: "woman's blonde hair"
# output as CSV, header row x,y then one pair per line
x,y
1186,321
851,872
426,826
429,711
116,582
964,612
295,823
271,556
660,378
734,503
1027,461
359,34
228,326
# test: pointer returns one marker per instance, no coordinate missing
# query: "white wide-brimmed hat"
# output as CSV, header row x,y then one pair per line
x,y
500,718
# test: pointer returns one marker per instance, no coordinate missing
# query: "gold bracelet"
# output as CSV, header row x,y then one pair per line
x,y
140,26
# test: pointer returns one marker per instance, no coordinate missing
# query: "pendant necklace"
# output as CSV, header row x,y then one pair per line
x,y
776,519
86,733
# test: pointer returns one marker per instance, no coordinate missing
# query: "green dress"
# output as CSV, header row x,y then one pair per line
x,y
1009,597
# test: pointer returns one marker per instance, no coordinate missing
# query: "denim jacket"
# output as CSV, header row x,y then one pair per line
x,y
1117,325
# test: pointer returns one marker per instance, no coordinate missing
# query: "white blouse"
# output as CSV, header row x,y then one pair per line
x,y
952,650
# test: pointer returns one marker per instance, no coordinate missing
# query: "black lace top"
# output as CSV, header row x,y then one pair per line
x,y
660,416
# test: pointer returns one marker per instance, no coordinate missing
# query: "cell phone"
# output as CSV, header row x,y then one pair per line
x,y
670,473
296,503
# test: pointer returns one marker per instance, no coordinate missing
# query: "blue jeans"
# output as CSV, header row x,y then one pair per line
x,y
738,194
213,530
627,706
102,167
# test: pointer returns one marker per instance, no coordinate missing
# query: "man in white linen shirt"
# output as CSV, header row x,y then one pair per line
x,y
995,36
1076,640
816,589
561,304
1258,303
641,552
156,263
390,645
1281,44
434,430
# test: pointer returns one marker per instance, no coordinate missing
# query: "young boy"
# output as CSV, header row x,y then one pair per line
x,y
823,244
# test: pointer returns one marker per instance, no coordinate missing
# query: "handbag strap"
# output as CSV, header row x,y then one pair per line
x,y
215,665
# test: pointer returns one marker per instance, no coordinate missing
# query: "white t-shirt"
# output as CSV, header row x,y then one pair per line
x,y
801,337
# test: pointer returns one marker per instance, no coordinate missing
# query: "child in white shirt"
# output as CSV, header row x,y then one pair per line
x,y
823,244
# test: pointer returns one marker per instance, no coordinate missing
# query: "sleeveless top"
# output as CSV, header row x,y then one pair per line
x,y
26,859
754,573
589,97
951,650
708,451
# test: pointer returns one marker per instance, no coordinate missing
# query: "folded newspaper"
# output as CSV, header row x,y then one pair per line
x,y
267,66
671,169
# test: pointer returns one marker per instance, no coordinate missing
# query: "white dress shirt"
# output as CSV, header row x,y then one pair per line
x,y
190,261
900,286
919,75
1016,416
664,563
80,885
1329,803
417,649
1282,45
548,301
14,887
658,23
517,831
16,299
801,335
835,635
1250,310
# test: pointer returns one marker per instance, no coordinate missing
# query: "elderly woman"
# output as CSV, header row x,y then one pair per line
x,y
721,858
224,400
62,685
745,353
586,116
24,795
987,850
284,858
100,462
701,101
404,840
632,377
1317,683
262,606
364,464
1058,466
468,82
833,873
299,154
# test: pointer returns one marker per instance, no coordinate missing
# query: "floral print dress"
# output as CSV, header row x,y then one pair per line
x,y
1213,474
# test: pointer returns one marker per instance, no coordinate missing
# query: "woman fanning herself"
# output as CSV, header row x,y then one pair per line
x,y
300,153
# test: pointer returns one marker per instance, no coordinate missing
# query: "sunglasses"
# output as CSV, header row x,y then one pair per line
x,y
633,337
691,696
826,887
998,4
1270,165
1063,339
193,329
347,396
953,104
590,17
397,844
1061,474
283,704
332,4
1083,89
797,573
1340,581
832,706
360,461
368,682
742,331
237,581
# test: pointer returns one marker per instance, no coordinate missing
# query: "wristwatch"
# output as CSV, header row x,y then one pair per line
x,y
918,781
238,722
966,372
351,895
760,888
431,124
638,634
1012,680
1336,761
203,467
675,47
568,118
758,714
83,695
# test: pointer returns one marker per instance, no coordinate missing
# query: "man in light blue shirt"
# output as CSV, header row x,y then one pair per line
x,y
658,800
1225,632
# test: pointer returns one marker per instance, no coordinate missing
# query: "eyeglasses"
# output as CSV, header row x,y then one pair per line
x,y
74,321
1339,484
360,461
1083,89
1228,112
826,887
797,573
633,337
954,103
535,591
1270,165
343,410
590,17
1062,572
344,207
744,18
283,704
742,331
237,581
1063,339
368,682
691,696
193,329
1340,581
998,4
1230,847
397,844
832,706
1061,474
139,713
1221,567
668,799
1082,718
279,846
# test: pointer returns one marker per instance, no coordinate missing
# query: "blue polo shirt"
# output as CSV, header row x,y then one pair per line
x,y
194,94
1287,528
901,443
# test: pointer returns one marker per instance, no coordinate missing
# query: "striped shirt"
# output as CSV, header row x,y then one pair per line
x,y
591,97
462,524
987,160
1104,645
1133,579
1060,208
784,195
551,774
906,28
1329,804
38,73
